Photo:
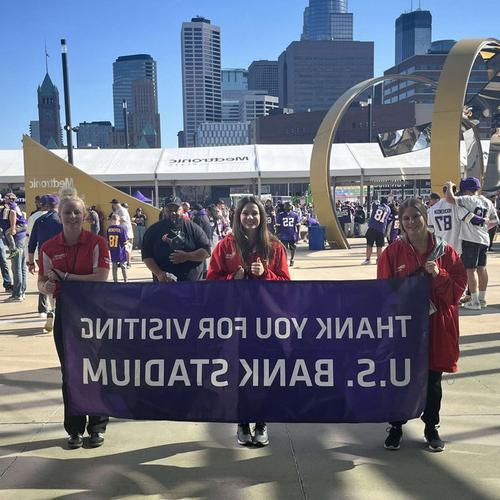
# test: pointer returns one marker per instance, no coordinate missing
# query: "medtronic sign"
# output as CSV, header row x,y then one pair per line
x,y
209,160
51,183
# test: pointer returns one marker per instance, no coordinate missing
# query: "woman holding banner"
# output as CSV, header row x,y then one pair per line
x,y
419,253
73,255
251,252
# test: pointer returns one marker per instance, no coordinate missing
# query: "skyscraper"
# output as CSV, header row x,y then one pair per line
x,y
48,114
201,75
94,135
327,20
413,34
134,80
314,74
263,75
234,79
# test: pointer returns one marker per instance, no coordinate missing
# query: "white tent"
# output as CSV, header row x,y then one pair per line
x,y
232,164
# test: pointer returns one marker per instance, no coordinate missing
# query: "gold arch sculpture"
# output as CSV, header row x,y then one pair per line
x,y
320,158
448,107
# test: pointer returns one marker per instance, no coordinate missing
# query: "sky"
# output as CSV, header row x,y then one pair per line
x,y
99,31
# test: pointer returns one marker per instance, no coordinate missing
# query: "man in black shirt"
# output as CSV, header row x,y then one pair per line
x,y
175,246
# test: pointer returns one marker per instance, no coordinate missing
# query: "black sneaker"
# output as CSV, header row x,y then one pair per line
x,y
394,437
261,437
291,263
244,435
433,440
96,439
75,441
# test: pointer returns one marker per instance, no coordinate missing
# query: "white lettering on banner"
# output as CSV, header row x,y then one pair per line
x,y
225,328
265,372
123,372
281,328
256,372
67,182
384,327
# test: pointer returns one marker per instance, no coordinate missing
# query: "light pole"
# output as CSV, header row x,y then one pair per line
x,y
370,118
67,107
125,121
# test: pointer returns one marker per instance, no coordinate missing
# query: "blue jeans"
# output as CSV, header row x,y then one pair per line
x,y
7,281
139,232
18,265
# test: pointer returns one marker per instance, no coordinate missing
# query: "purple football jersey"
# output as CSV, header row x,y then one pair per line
x,y
379,217
117,237
287,222
393,227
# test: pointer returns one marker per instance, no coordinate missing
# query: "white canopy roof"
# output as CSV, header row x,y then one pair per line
x,y
231,163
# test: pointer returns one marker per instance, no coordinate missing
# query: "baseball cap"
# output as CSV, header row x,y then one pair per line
x,y
50,199
172,200
114,200
470,184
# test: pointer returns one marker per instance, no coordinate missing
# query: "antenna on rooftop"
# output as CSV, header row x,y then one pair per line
x,y
46,58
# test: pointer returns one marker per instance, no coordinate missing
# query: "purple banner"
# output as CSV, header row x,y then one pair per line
x,y
246,351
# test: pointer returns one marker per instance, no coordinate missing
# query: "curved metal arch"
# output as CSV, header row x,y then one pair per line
x,y
320,158
448,107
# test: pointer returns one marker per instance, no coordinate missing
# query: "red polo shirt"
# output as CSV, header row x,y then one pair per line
x,y
90,253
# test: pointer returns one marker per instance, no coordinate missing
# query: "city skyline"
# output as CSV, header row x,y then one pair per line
x,y
95,41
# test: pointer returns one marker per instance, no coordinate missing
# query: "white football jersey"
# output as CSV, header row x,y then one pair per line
x,y
478,205
445,219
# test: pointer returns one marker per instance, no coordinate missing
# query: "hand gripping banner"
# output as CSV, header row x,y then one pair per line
x,y
246,351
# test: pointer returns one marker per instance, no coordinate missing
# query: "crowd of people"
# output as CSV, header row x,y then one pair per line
x,y
447,241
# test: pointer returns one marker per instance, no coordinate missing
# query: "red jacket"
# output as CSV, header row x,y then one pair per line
x,y
225,260
400,260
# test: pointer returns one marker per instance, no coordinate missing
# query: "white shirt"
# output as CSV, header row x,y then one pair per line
x,y
446,220
31,222
478,205
125,216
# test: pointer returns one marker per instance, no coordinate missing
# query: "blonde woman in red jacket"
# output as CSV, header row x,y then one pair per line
x,y
250,252
419,252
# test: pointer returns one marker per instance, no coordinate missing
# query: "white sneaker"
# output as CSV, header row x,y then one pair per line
x,y
474,306
366,262
49,324
483,304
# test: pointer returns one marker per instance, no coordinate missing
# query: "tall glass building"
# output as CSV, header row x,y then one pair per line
x,y
327,20
234,79
263,75
126,71
201,76
413,34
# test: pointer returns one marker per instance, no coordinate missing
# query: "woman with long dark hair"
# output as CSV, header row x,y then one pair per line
x,y
73,255
250,252
418,252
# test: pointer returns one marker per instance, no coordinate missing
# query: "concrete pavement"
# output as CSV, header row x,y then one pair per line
x,y
175,460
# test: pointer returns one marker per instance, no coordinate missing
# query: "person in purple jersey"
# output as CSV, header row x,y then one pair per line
x,y
270,216
393,229
11,219
287,226
117,239
377,226
18,225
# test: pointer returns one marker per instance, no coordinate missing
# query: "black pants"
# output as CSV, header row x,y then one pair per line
x,y
492,233
74,424
43,306
433,404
